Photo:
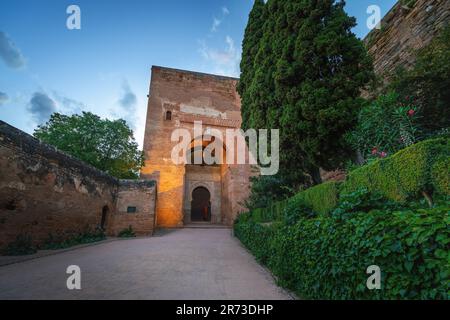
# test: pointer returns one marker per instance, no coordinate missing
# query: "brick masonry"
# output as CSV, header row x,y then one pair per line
x,y
44,191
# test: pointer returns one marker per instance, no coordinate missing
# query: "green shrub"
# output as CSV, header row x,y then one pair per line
x,y
385,126
273,212
401,177
127,233
257,238
266,190
405,174
321,198
440,177
62,241
427,83
296,209
327,258
362,200
22,245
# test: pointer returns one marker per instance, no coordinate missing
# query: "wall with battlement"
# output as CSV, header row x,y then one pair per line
x,y
46,192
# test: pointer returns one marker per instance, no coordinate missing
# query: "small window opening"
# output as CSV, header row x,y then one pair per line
x,y
131,210
169,115
11,205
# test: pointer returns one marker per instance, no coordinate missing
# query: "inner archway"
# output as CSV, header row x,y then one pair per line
x,y
201,205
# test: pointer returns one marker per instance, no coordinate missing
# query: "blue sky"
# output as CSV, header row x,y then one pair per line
x,y
105,67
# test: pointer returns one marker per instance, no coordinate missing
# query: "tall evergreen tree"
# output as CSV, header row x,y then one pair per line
x,y
250,47
306,80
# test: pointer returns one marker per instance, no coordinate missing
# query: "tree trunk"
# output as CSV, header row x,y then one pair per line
x,y
315,175
359,158
428,198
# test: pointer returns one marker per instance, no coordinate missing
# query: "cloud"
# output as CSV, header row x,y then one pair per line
x,y
41,107
216,24
68,105
218,21
10,54
128,100
3,98
127,104
226,61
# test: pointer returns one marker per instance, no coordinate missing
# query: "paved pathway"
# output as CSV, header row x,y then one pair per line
x,y
196,264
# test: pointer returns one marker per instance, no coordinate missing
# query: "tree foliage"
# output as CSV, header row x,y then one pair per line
x,y
105,144
302,71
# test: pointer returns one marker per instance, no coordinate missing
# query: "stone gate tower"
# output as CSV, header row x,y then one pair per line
x,y
192,193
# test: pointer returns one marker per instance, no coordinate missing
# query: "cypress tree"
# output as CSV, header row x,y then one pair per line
x,y
306,80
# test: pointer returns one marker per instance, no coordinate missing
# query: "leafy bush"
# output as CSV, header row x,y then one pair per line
x,y
405,174
127,233
61,241
266,190
362,200
428,81
385,126
326,258
23,245
295,210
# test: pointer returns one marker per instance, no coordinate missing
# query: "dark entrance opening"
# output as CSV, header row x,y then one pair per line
x,y
201,205
104,220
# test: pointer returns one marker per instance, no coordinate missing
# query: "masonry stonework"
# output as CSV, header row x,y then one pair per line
x,y
46,192
177,99
404,30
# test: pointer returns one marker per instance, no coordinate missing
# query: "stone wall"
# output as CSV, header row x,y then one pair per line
x,y
44,191
404,30
138,195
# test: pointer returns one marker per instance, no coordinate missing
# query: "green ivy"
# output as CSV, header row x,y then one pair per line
x,y
62,241
22,245
326,258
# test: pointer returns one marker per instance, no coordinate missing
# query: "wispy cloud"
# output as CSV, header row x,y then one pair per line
x,y
218,21
127,103
216,24
68,105
3,98
224,61
9,53
225,11
41,107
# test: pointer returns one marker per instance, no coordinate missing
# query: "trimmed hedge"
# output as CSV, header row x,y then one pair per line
x,y
327,258
322,198
271,213
421,167
424,166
